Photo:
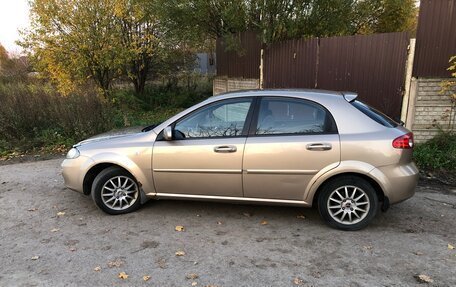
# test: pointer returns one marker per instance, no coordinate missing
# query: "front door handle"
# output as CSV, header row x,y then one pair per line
x,y
225,148
319,146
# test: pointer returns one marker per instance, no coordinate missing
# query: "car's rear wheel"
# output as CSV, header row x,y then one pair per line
x,y
115,191
348,203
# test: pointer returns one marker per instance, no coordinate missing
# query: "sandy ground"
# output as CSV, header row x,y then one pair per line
x,y
224,244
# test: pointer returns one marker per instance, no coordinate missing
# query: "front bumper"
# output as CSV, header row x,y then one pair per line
x,y
74,171
398,182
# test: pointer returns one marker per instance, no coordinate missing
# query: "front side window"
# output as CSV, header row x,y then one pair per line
x,y
225,119
292,116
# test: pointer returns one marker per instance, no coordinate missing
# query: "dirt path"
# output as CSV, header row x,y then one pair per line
x,y
224,244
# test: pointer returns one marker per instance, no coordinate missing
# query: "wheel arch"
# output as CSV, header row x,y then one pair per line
x,y
378,189
92,173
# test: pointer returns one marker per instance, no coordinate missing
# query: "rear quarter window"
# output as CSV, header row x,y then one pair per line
x,y
375,115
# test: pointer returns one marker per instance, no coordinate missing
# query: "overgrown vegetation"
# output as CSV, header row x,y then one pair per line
x,y
437,154
34,116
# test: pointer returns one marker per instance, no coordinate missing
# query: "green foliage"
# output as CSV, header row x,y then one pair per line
x,y
438,153
283,19
33,115
101,40
386,16
449,89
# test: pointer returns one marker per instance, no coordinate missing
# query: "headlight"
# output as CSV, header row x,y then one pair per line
x,y
72,153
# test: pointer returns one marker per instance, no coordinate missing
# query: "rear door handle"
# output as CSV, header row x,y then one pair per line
x,y
319,146
225,148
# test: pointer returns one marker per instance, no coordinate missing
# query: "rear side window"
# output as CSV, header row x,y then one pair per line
x,y
292,116
377,116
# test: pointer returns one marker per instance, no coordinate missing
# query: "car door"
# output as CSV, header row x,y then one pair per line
x,y
290,141
205,155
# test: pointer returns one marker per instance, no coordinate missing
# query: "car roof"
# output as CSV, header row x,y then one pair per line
x,y
281,92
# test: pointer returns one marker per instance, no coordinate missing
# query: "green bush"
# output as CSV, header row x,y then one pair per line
x,y
438,153
160,95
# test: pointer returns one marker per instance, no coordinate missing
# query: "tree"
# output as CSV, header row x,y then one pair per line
x,y
71,41
12,66
284,19
374,16
140,35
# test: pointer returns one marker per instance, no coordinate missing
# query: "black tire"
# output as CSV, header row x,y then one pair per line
x,y
348,205
103,178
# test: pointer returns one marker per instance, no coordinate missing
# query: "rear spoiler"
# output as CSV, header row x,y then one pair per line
x,y
349,96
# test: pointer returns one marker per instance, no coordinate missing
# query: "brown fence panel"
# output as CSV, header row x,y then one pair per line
x,y
371,65
243,63
435,39
291,64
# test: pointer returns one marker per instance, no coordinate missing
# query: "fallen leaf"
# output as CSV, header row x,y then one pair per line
x,y
146,277
179,228
97,269
264,222
298,281
194,283
72,249
198,215
191,276
180,253
116,263
418,253
450,247
248,214
161,262
123,275
368,247
301,217
32,209
35,257
423,278
60,213
219,222
54,229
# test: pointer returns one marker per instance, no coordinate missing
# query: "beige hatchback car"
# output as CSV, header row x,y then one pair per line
x,y
304,147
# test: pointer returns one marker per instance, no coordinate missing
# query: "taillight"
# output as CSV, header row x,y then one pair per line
x,y
404,142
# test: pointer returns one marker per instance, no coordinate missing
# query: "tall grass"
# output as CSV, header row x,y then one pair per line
x,y
33,115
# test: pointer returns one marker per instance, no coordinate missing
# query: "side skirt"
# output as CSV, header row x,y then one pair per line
x,y
228,198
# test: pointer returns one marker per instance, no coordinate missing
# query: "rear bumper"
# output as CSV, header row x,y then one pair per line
x,y
398,182
74,171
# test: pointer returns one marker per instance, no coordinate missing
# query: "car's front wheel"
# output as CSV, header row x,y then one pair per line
x,y
115,191
348,203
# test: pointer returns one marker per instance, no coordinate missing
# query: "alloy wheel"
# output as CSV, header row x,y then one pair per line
x,y
348,204
119,192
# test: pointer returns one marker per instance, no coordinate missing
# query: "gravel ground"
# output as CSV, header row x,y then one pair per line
x,y
53,236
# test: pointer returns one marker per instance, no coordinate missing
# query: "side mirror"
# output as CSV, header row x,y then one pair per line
x,y
168,133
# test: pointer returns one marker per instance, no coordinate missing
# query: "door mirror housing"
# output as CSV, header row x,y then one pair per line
x,y
168,133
